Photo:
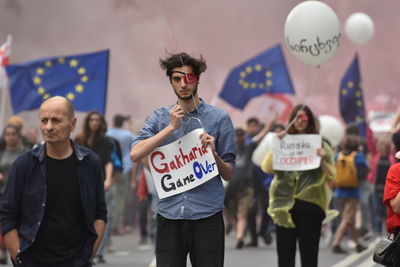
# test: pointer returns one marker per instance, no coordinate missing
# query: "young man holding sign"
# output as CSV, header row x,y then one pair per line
x,y
190,218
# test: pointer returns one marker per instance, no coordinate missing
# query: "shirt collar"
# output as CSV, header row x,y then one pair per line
x,y
40,151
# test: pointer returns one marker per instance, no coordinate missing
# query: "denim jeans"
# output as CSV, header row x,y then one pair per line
x,y
379,213
203,240
109,195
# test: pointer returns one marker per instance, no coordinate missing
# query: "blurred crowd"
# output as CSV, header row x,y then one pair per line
x,y
131,196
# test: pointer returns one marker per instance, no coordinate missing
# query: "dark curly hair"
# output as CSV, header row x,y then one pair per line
x,y
172,61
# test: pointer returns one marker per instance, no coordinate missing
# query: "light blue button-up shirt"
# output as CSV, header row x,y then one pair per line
x,y
208,198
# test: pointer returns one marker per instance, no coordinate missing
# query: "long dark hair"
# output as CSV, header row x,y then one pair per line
x,y
83,136
312,127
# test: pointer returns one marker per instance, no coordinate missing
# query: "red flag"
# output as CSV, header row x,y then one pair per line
x,y
277,104
5,51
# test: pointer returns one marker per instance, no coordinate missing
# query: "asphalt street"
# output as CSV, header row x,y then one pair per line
x,y
126,252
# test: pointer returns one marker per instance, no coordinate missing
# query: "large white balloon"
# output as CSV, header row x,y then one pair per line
x,y
312,32
331,129
262,149
359,28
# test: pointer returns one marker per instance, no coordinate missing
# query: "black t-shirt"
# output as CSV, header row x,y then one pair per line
x,y
62,231
103,149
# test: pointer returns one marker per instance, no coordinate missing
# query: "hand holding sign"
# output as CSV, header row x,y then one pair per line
x,y
208,140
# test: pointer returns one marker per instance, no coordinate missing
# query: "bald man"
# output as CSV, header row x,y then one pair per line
x,y
53,212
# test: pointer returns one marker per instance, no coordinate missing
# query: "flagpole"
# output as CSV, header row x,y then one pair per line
x,y
3,103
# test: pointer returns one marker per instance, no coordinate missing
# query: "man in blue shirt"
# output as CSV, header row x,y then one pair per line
x,y
190,222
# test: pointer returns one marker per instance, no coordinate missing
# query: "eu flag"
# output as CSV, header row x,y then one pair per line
x,y
80,78
351,98
264,74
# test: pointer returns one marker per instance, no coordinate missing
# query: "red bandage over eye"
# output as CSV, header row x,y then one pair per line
x,y
303,118
190,78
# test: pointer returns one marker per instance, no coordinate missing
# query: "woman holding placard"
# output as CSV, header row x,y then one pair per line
x,y
299,200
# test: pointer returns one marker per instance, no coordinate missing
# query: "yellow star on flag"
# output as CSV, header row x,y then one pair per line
x,y
41,90
71,96
258,67
84,78
48,63
249,69
40,71
73,62
37,80
344,91
61,60
79,88
81,71
350,84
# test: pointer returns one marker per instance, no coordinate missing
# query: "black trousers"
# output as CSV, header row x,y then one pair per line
x,y
307,233
203,240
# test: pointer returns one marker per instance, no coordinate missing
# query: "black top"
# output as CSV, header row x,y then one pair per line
x,y
381,173
103,149
62,231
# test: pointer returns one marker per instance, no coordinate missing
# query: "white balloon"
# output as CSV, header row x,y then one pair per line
x,y
312,32
331,129
359,28
262,149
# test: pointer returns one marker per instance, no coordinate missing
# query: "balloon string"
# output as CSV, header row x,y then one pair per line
x,y
176,45
169,22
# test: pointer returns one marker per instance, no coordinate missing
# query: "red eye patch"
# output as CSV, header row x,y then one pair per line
x,y
303,118
190,78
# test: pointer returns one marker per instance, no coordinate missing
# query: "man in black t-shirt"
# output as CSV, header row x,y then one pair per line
x,y
53,212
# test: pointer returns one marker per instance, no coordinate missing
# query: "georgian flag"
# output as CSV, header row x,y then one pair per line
x,y
5,51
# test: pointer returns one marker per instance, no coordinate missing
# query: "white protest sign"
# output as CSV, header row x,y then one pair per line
x,y
182,165
297,152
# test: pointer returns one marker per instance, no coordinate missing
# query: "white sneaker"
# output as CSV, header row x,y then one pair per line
x,y
153,263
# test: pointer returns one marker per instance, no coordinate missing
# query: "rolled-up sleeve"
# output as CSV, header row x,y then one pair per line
x,y
225,143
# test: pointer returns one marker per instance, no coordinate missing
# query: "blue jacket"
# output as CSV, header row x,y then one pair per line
x,y
24,201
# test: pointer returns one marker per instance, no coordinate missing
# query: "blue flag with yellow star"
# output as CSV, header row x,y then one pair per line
x,y
351,98
80,78
266,73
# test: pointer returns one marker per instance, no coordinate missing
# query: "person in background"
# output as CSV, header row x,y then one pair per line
x,y
32,136
10,148
347,196
299,200
92,136
391,198
379,167
61,221
18,122
125,139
